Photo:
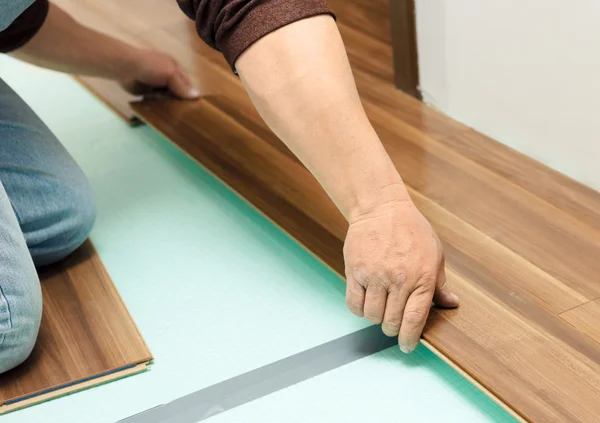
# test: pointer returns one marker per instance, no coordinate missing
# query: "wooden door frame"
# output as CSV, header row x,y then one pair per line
x,y
404,44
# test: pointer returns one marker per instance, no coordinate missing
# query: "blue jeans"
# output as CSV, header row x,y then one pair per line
x,y
46,212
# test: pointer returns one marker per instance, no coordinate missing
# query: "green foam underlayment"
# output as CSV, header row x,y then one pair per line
x,y
217,290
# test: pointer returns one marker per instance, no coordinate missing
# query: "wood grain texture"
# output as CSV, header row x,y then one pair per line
x,y
586,318
551,186
86,330
521,240
380,53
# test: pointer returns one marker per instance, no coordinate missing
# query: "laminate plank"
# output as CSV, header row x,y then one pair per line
x,y
135,16
551,186
86,330
512,273
506,335
71,389
358,46
540,377
585,318
113,96
84,12
406,108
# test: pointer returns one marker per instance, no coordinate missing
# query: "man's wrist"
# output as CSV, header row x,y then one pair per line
x,y
125,62
370,201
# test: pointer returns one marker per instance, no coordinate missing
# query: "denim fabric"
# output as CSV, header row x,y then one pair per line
x,y
46,212
10,10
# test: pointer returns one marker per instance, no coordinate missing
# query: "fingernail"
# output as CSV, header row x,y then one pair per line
x,y
194,92
405,350
455,298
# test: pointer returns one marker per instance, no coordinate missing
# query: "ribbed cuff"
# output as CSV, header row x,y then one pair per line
x,y
264,19
24,27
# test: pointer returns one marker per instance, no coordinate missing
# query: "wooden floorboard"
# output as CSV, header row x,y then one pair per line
x,y
86,332
512,216
586,318
522,241
551,186
380,63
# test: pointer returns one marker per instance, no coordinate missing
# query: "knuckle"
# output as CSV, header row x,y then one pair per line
x,y
373,317
414,316
356,273
429,276
389,330
397,277
378,284
353,306
393,322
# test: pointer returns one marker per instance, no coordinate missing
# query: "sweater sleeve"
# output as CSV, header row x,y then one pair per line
x,y
231,26
24,27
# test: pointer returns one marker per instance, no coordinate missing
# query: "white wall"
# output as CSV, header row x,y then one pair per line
x,y
525,72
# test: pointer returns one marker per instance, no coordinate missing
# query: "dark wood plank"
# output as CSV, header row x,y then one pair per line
x,y
358,46
404,43
86,330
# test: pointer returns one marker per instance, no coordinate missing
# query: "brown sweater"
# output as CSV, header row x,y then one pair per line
x,y
229,26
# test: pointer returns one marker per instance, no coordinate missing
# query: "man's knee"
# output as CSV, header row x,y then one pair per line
x,y
67,230
20,317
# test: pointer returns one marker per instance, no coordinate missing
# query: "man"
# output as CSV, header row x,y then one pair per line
x,y
291,59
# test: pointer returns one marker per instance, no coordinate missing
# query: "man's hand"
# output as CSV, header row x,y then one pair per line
x,y
150,70
394,269
63,44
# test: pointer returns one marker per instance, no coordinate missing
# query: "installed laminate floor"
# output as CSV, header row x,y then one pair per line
x,y
522,241
86,337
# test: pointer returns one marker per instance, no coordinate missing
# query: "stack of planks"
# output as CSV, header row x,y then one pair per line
x,y
522,241
86,338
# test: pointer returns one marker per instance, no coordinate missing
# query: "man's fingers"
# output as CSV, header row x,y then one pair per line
x,y
414,318
394,309
355,297
375,300
181,86
136,88
442,296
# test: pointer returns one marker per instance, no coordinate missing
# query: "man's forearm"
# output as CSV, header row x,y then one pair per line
x,y
300,81
65,45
